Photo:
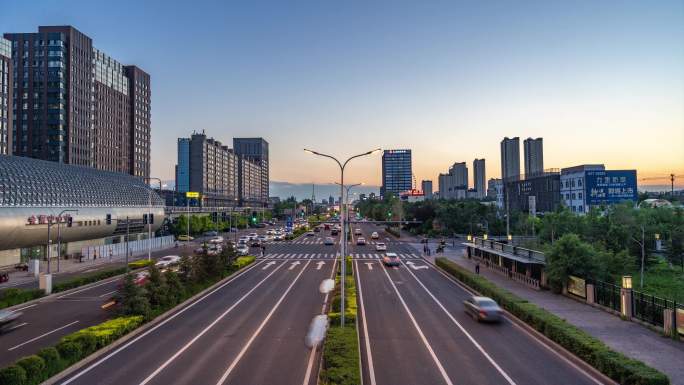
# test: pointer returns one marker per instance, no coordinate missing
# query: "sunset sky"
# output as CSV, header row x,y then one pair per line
x,y
601,82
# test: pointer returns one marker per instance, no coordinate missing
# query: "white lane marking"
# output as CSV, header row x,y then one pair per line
x,y
261,326
107,294
26,307
369,356
443,372
88,288
294,264
312,354
414,267
131,342
319,264
18,326
41,336
470,337
206,329
267,265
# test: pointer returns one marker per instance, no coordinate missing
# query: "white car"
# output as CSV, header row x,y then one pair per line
x,y
380,246
357,232
279,237
375,235
242,250
216,239
253,236
167,261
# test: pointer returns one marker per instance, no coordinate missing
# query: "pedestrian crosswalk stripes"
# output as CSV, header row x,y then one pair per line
x,y
334,255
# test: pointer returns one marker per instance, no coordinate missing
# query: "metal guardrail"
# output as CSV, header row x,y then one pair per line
x,y
650,308
522,278
533,255
607,294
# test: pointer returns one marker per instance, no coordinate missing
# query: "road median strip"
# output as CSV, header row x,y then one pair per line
x,y
79,349
341,358
592,351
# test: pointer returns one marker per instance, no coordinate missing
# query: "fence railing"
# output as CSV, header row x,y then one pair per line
x,y
650,308
532,255
119,249
607,294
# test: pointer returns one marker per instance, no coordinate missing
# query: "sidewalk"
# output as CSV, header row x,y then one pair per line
x,y
71,267
629,338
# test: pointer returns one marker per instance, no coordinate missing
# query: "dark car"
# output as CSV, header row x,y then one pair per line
x,y
483,309
329,241
391,259
317,229
334,231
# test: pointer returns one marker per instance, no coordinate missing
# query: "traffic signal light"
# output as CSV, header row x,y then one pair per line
x,y
108,219
254,217
70,221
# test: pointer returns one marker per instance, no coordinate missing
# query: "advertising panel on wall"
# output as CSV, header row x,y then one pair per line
x,y
610,186
577,286
680,321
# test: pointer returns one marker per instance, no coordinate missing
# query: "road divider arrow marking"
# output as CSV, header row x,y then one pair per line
x,y
370,265
268,264
294,264
319,263
414,267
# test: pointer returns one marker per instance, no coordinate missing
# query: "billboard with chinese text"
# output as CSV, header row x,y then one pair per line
x,y
610,186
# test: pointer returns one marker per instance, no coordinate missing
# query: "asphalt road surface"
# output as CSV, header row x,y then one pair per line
x,y
251,329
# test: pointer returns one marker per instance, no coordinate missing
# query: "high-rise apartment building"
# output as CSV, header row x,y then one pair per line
x,y
479,178
534,156
5,97
454,184
222,177
426,186
75,104
510,158
256,151
397,172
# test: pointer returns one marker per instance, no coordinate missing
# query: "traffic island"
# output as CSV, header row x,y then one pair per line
x,y
341,360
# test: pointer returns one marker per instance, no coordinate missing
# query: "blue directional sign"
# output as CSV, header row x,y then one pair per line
x,y
610,186
289,222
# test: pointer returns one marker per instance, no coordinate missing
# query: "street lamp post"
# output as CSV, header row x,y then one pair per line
x,y
343,243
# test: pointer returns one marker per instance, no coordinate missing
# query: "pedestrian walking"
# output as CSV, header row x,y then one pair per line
x,y
477,268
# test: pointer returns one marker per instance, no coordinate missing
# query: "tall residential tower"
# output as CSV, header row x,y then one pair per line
x,y
534,156
5,97
397,172
77,105
479,178
510,158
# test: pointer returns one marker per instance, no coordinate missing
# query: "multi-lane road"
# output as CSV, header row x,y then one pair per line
x,y
251,329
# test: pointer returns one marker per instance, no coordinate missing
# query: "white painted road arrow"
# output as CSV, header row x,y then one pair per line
x,y
414,267
319,263
370,265
268,265
295,263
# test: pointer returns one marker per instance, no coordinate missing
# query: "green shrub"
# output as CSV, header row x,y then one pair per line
x,y
615,365
341,357
35,369
241,262
13,375
70,351
53,362
13,296
95,337
393,232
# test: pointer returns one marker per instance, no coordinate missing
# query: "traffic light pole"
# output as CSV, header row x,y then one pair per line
x,y
59,235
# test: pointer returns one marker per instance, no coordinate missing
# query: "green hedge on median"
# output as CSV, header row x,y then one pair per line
x,y
615,365
14,296
140,263
390,230
34,369
86,279
341,362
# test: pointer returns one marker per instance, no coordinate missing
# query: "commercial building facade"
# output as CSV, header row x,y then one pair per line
x,y
495,191
534,156
74,104
591,185
6,110
534,194
397,172
104,207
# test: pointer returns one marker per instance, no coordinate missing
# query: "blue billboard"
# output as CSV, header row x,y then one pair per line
x,y
610,186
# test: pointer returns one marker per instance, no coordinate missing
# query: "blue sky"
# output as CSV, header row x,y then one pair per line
x,y
600,81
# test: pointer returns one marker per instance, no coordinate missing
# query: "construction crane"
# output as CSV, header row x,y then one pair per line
x,y
671,177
